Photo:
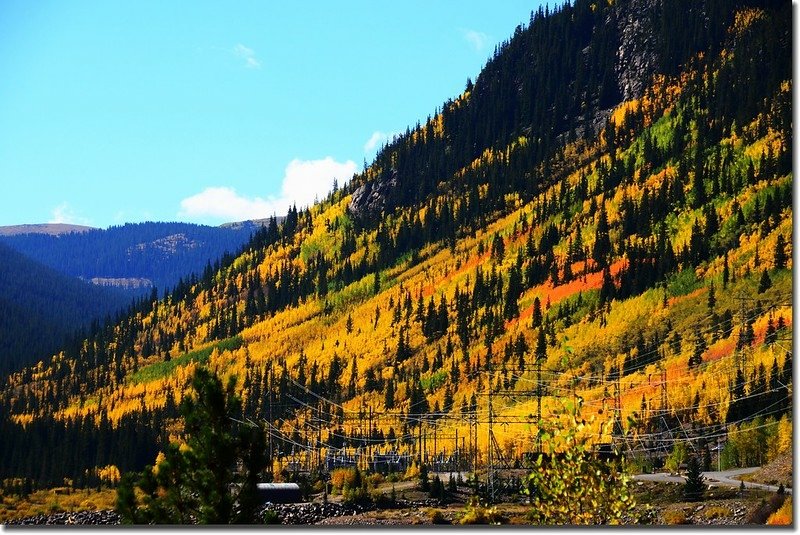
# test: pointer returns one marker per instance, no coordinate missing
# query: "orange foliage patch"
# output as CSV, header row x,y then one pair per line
x,y
720,349
429,289
673,300
726,347
555,294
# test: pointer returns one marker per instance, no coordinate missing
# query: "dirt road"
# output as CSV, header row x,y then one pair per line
x,y
724,478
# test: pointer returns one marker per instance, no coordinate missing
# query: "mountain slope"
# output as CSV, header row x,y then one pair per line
x,y
536,235
40,308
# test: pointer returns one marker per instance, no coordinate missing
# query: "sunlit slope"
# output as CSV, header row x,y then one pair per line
x,y
645,270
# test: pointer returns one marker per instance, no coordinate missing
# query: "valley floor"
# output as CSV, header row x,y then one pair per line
x,y
659,496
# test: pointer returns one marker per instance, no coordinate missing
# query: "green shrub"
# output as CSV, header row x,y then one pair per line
x,y
475,513
571,485
677,457
358,495
271,517
717,511
437,517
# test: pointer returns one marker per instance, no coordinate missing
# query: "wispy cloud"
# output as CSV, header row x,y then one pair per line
x,y
304,181
63,213
377,139
248,55
477,40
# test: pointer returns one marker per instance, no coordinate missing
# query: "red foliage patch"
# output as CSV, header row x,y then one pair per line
x,y
592,281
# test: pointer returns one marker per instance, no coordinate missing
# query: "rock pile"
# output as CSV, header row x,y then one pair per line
x,y
96,518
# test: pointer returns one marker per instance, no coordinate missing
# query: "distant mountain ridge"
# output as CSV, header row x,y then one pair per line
x,y
134,256
51,229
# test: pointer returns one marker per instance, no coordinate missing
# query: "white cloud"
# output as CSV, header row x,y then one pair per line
x,y
248,55
304,181
224,204
478,40
63,213
377,139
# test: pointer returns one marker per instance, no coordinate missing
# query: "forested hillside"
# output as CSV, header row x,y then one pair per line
x,y
603,216
136,256
41,308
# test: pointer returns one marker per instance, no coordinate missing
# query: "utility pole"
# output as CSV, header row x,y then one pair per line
x,y
435,451
490,443
617,402
538,404
456,453
319,436
419,443
270,402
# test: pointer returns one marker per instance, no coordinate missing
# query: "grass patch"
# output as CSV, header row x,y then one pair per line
x,y
163,369
683,283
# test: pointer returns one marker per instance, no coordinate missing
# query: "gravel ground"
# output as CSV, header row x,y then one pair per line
x,y
98,518
288,514
778,471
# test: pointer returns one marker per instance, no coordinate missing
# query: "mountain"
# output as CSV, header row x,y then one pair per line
x,y
52,229
251,224
601,222
135,257
41,308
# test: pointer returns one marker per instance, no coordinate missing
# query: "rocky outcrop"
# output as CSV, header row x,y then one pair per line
x,y
636,58
370,199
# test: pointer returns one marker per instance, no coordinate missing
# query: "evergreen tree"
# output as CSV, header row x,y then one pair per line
x,y
602,242
211,481
536,315
712,298
765,283
694,488
779,260
388,400
424,482
725,272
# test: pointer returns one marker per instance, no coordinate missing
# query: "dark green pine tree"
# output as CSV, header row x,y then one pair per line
x,y
536,315
376,283
712,298
699,348
602,242
388,400
513,291
779,260
698,186
498,248
211,481
765,283
726,273
608,289
694,488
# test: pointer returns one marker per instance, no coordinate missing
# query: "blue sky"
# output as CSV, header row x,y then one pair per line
x,y
114,112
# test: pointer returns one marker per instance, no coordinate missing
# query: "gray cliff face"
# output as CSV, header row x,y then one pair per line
x,y
369,199
636,58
